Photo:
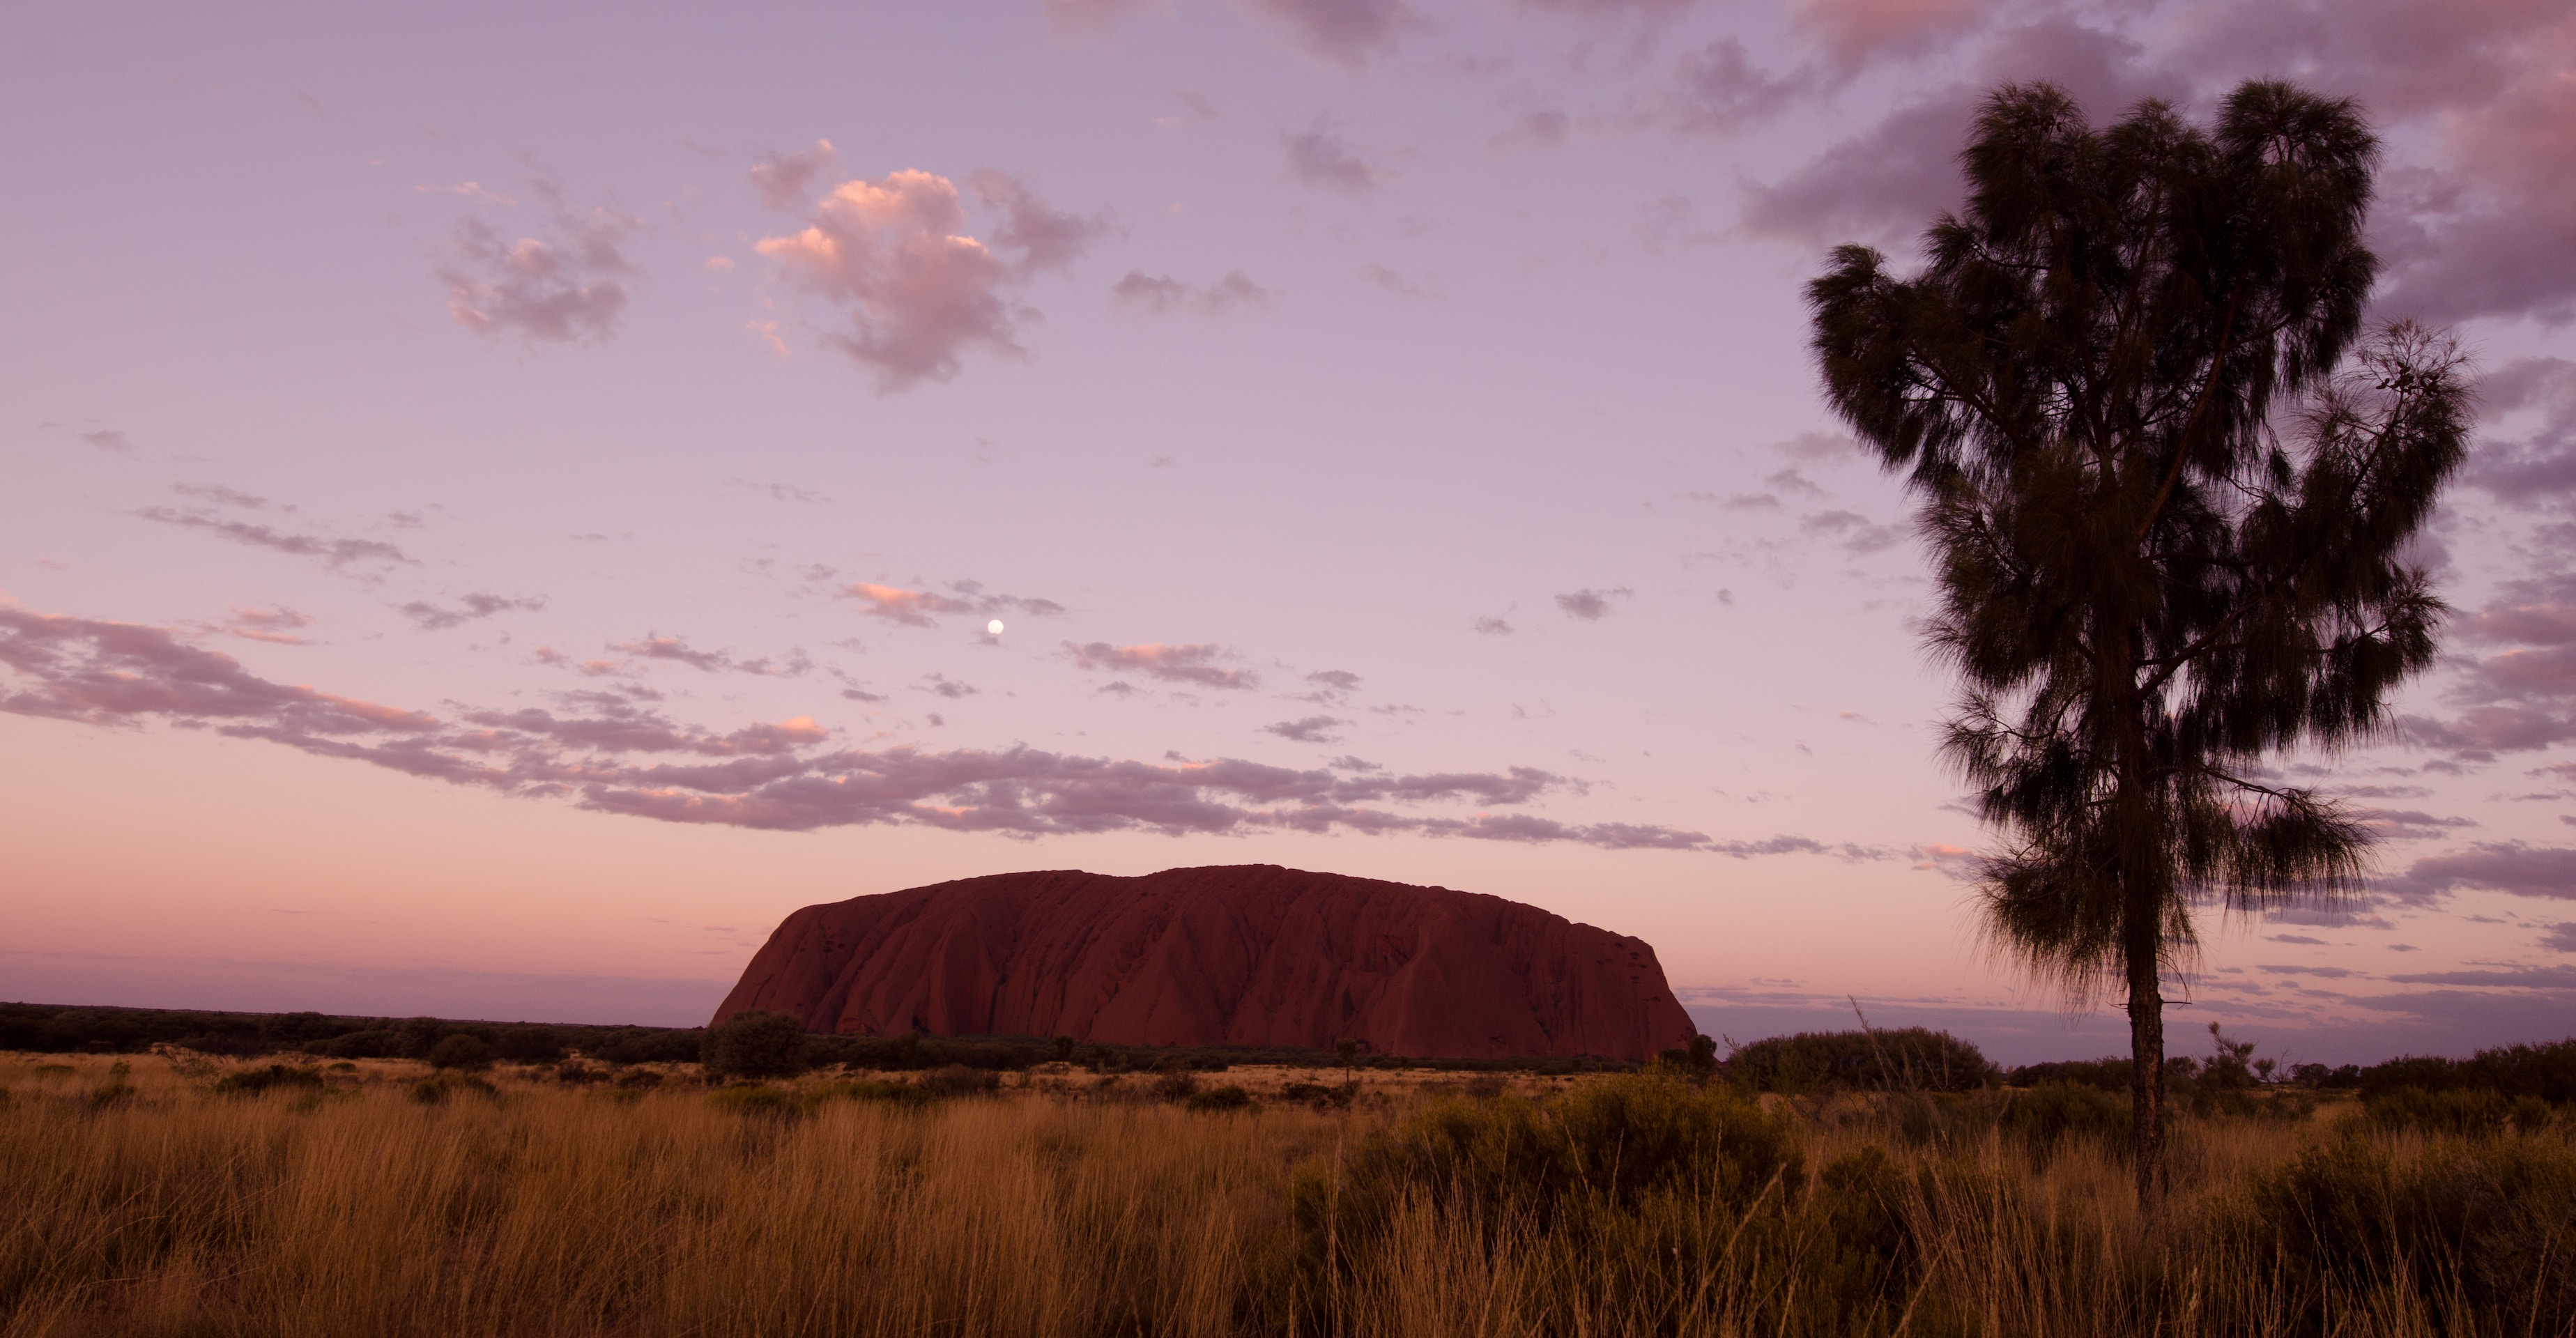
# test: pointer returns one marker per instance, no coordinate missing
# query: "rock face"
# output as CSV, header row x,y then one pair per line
x,y
1252,955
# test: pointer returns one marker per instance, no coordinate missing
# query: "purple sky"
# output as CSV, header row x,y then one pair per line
x,y
503,504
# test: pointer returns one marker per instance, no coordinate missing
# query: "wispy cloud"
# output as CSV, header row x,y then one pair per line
x,y
468,608
1196,663
1323,159
568,286
620,758
677,650
335,553
1161,295
924,608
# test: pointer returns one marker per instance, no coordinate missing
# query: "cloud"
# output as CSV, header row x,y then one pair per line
x,y
948,687
2519,698
108,439
1162,295
1854,31
655,646
480,604
1852,530
2540,469
1717,90
2502,866
2559,937
1591,605
223,496
618,758
1177,664
1323,159
894,258
783,179
1312,729
1348,33
566,287
1395,283
2526,978
1490,627
337,554
276,625
923,608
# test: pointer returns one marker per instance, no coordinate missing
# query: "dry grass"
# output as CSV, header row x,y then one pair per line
x,y
168,1209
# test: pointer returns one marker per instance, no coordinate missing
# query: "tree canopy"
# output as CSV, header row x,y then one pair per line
x,y
2168,474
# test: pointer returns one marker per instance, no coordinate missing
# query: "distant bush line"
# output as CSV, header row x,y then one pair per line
x,y
1900,1059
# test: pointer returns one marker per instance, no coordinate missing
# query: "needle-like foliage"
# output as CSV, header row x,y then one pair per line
x,y
2167,475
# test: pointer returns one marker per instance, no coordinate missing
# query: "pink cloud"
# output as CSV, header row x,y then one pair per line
x,y
918,292
1162,295
1178,664
566,287
783,179
923,608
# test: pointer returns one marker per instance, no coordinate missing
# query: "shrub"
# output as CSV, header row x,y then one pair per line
x,y
438,1087
755,1099
1176,1084
1614,1140
1908,1058
460,1051
531,1045
959,1080
574,1073
1337,1095
1228,1097
755,1044
250,1082
2052,1114
2474,1113
2477,1232
875,1089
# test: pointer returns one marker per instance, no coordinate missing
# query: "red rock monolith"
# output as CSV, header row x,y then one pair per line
x,y
1251,955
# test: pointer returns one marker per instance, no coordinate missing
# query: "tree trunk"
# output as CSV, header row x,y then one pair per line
x,y
2146,1063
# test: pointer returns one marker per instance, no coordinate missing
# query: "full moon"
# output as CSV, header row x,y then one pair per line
x,y
993,628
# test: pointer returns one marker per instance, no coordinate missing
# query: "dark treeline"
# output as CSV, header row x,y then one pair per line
x,y
1900,1059
43,1028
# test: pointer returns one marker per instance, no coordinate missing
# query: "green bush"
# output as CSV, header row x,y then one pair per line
x,y
460,1051
250,1082
755,1044
1228,1097
1177,1083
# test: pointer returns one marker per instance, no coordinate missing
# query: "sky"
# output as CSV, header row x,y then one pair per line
x,y
502,504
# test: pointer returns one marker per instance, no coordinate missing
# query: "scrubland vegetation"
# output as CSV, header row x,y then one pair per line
x,y
173,1194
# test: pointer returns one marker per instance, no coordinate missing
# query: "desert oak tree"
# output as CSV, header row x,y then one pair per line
x,y
2167,476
